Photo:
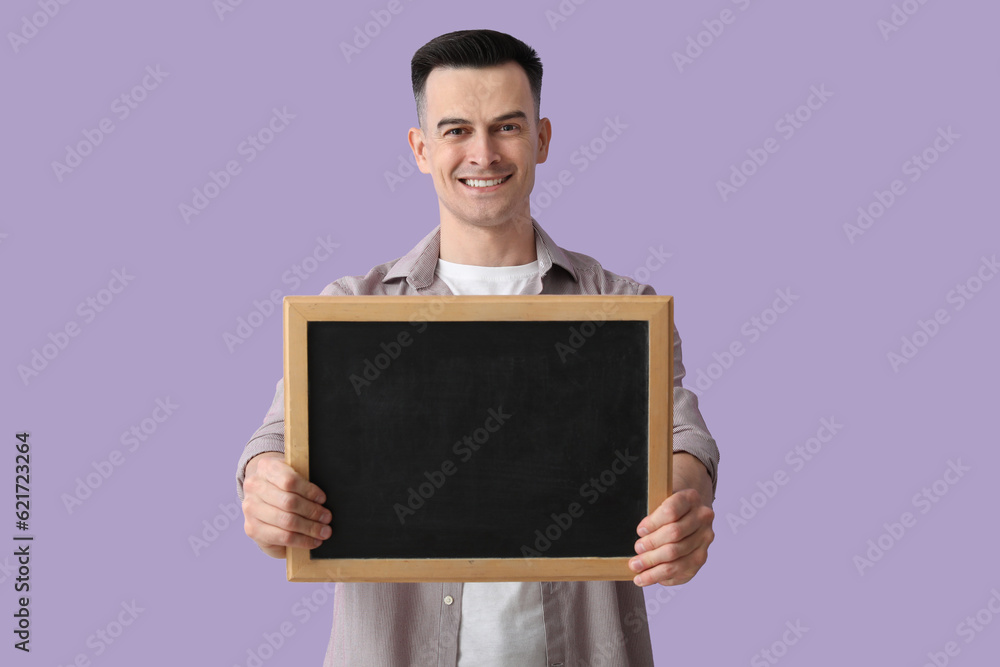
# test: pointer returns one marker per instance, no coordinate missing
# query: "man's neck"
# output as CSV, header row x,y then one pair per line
x,y
509,244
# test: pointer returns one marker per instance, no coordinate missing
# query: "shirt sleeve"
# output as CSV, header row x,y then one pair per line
x,y
691,434
270,436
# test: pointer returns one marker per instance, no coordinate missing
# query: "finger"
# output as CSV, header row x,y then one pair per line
x,y
283,476
292,503
272,551
671,533
275,517
667,575
696,543
670,510
273,539
668,553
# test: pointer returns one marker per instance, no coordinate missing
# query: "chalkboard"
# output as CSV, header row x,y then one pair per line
x,y
478,438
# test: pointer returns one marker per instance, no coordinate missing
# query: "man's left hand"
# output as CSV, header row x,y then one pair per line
x,y
674,538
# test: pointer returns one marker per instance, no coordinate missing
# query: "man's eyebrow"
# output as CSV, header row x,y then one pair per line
x,y
510,115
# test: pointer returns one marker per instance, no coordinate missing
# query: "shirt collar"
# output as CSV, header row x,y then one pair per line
x,y
418,265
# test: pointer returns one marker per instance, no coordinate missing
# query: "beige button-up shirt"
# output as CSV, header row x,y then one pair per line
x,y
417,624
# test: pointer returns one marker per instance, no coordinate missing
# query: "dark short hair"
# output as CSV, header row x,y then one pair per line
x,y
474,48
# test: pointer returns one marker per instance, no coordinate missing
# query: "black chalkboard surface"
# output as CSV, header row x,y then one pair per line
x,y
479,441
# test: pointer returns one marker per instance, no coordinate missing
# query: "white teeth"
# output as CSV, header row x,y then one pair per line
x,y
484,184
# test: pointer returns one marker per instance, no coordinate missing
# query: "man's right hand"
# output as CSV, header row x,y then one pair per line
x,y
281,508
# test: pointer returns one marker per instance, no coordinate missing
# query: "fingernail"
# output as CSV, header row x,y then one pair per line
x,y
639,547
316,543
325,517
320,498
643,531
325,532
635,564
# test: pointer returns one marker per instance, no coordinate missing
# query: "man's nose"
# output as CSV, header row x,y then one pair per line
x,y
483,150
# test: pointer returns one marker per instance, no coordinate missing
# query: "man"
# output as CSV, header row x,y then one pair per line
x,y
478,99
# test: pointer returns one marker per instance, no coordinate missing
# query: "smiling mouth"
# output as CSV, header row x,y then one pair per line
x,y
488,183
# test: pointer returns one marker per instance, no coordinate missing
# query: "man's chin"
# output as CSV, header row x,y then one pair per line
x,y
486,218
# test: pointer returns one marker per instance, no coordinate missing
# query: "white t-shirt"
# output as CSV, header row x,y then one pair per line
x,y
502,622
471,279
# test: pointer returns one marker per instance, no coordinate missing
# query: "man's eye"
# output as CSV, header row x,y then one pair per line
x,y
457,129
512,127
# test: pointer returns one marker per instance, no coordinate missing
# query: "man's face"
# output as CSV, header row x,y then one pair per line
x,y
479,125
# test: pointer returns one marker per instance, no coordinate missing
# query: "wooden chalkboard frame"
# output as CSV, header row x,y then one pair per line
x,y
298,311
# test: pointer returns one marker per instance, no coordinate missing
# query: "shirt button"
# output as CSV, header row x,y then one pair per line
x,y
448,599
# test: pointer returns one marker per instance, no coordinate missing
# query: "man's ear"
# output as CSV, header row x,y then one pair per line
x,y
544,136
419,148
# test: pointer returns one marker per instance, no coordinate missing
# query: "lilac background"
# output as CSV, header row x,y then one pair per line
x,y
655,186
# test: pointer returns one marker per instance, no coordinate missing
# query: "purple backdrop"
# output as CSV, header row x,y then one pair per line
x,y
818,176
